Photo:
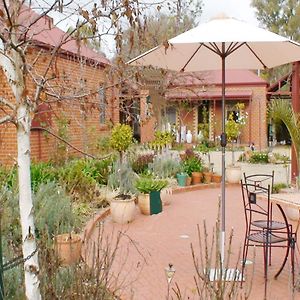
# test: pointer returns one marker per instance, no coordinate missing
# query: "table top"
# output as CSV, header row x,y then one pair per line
x,y
288,199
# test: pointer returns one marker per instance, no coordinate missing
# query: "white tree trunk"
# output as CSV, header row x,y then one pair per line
x,y
13,69
31,266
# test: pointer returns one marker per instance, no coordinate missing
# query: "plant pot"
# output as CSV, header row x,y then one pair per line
x,y
150,204
181,179
207,177
122,210
216,178
196,177
188,180
233,174
68,248
166,195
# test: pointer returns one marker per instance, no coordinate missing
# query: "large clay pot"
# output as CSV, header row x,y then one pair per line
x,y
122,211
196,177
233,174
68,248
150,204
216,178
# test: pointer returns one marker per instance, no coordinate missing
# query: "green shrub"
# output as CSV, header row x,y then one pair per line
x,y
121,137
258,157
53,211
146,185
164,167
78,178
278,186
42,173
192,164
122,178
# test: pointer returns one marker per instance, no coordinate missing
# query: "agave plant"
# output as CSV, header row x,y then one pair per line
x,y
282,110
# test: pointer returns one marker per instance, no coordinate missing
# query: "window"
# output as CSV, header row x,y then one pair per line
x,y
102,105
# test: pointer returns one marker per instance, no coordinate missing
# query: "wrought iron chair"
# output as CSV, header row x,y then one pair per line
x,y
262,230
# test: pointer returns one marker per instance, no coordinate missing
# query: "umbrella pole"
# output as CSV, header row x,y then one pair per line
x,y
223,144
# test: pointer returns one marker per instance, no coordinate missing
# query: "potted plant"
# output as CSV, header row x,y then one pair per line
x,y
122,207
192,166
149,200
233,129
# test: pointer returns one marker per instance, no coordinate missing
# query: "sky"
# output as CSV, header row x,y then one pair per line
x,y
239,9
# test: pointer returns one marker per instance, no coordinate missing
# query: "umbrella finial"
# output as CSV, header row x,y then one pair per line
x,y
221,15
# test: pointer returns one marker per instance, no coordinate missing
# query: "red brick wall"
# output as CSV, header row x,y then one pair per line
x,y
84,128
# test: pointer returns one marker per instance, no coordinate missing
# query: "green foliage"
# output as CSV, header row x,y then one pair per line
x,y
140,164
277,187
279,16
8,177
232,129
192,164
162,139
81,177
122,178
258,157
282,110
121,137
164,167
103,144
146,185
42,173
53,212
206,146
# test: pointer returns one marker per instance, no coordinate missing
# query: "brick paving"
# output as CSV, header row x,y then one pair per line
x,y
150,243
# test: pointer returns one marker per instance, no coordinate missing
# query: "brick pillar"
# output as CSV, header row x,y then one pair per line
x,y
147,122
296,107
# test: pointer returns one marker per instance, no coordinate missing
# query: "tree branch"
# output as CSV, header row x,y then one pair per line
x,y
7,103
73,147
6,119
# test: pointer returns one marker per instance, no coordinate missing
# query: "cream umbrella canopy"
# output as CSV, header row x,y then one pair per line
x,y
212,45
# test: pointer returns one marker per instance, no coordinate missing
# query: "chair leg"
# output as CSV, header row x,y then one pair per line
x,y
245,254
292,244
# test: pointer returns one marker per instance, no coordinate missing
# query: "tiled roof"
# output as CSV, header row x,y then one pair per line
x,y
44,33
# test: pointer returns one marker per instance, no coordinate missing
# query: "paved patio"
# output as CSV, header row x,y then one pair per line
x,y
150,243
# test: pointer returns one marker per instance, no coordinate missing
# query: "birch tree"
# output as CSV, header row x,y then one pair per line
x,y
18,67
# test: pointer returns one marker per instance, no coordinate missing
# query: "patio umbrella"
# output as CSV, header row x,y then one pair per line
x,y
210,46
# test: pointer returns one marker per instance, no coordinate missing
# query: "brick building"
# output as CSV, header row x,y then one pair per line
x,y
201,93
88,100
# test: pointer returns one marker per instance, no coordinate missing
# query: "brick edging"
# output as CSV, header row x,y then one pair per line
x,y
91,224
200,186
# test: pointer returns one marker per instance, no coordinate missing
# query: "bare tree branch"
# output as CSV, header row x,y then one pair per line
x,y
6,119
7,103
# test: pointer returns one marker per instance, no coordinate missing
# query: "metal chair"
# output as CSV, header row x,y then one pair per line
x,y
262,230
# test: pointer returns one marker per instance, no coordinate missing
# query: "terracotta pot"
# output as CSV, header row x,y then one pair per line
x,y
207,177
68,248
196,177
122,211
233,174
188,180
216,178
